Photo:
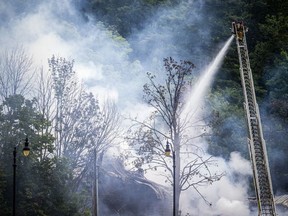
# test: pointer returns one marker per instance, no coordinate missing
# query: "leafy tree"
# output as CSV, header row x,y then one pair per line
x,y
169,121
274,41
228,125
269,62
46,189
124,16
4,210
276,118
40,180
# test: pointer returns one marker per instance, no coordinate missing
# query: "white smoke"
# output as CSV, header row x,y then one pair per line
x,y
54,28
104,64
199,90
227,196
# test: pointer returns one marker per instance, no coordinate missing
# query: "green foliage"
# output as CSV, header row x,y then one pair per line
x,y
156,2
4,210
125,16
42,187
268,45
228,124
278,79
276,107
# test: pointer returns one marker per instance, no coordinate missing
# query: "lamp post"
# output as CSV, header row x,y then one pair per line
x,y
168,154
26,151
95,186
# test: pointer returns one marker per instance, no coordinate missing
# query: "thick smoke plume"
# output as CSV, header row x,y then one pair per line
x,y
111,66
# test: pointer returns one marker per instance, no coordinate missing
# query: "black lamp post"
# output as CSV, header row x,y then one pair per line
x,y
168,154
26,151
95,204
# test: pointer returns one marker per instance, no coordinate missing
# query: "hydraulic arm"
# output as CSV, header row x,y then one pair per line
x,y
256,142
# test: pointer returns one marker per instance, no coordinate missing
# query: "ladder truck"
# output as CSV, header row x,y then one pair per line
x,y
256,142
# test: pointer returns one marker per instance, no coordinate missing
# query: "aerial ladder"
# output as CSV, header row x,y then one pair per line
x,y
256,142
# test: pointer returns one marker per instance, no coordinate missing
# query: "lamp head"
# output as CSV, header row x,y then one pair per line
x,y
167,150
26,149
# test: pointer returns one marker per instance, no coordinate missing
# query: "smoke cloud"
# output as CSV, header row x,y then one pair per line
x,y
111,66
54,28
225,197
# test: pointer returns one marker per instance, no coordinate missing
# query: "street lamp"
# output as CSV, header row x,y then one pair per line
x,y
95,203
26,151
168,154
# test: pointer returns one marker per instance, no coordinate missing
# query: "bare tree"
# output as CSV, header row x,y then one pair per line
x,y
75,114
108,127
166,125
107,131
84,130
16,72
46,107
65,88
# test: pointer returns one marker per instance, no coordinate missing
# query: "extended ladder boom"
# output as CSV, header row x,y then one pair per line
x,y
256,142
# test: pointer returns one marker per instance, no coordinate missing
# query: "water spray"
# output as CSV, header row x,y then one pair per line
x,y
198,91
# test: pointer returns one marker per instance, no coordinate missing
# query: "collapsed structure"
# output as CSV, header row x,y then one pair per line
x,y
129,193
